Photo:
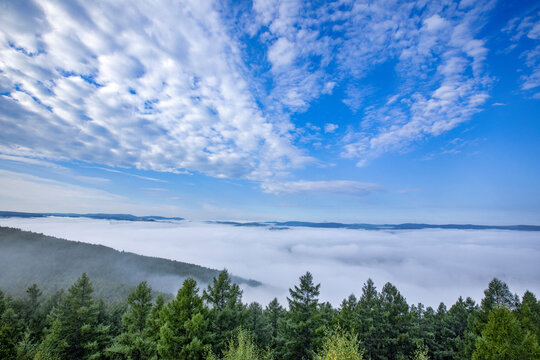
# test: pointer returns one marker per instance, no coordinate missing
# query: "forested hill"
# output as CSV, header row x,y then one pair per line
x,y
98,216
273,225
27,258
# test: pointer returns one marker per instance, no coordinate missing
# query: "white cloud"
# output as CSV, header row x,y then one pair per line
x,y
54,168
435,23
330,186
330,128
161,88
133,175
24,192
172,87
529,27
455,89
281,53
427,266
438,61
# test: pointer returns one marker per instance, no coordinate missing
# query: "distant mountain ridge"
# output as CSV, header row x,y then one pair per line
x,y
99,216
275,225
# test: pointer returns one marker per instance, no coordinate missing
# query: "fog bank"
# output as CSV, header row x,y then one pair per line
x,y
427,266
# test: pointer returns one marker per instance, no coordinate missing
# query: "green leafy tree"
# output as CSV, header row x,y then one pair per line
x,y
155,322
136,341
76,332
392,330
243,347
496,296
340,345
224,299
11,331
302,329
369,312
529,314
183,333
34,316
503,338
257,324
347,316
26,348
423,325
454,330
421,352
273,313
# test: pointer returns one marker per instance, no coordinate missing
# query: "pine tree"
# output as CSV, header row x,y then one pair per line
x,y
155,322
496,296
76,332
135,341
224,299
257,324
368,309
455,325
347,317
502,338
35,317
529,314
274,313
11,331
392,331
300,332
183,334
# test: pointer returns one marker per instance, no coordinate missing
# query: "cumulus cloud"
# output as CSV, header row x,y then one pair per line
x,y
330,128
160,88
426,265
432,47
439,62
527,27
200,87
330,186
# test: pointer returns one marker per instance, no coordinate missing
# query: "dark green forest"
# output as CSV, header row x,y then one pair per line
x,y
212,322
27,257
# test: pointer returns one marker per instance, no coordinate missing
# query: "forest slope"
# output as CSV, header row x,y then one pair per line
x,y
27,258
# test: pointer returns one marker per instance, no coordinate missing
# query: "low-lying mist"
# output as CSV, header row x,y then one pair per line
x,y
427,266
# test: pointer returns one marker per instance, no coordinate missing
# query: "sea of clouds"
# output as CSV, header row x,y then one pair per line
x,y
427,266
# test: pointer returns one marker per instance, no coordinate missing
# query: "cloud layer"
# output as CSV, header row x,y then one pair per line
x,y
426,265
331,186
160,88
213,86
430,49
527,28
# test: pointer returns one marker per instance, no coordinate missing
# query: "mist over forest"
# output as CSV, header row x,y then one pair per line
x,y
428,266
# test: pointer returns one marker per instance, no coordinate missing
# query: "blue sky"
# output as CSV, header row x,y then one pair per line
x,y
354,111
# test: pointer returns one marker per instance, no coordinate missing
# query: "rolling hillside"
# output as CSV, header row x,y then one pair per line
x,y
27,258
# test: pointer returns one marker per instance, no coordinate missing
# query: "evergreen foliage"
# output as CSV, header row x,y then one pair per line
x,y
215,324
76,332
53,263
224,298
302,328
504,338
135,341
183,333
274,314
